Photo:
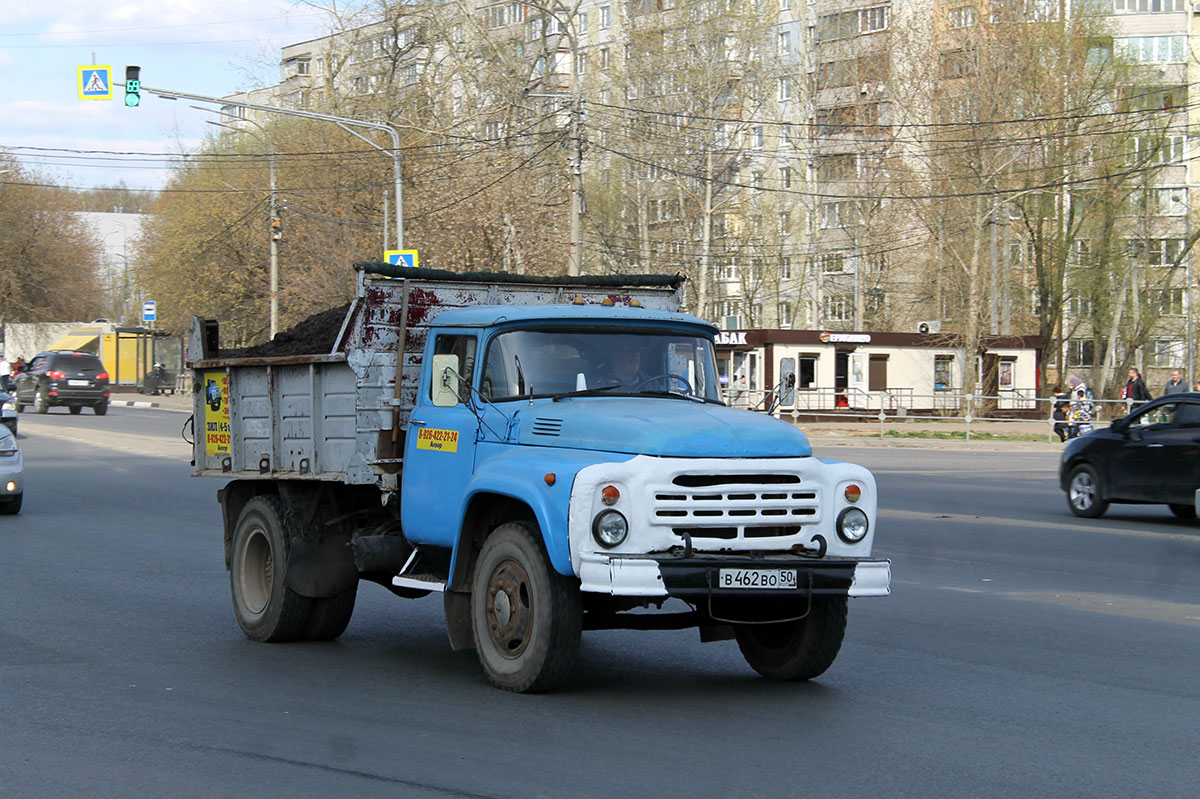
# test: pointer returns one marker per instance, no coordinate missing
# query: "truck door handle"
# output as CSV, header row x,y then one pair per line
x,y
418,422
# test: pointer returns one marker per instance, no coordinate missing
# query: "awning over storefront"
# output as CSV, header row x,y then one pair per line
x,y
85,342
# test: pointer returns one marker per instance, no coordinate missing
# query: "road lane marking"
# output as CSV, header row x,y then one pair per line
x,y
951,518
129,443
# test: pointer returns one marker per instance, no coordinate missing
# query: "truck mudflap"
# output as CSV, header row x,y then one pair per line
x,y
701,576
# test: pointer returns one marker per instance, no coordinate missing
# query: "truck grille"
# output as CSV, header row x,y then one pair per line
x,y
733,506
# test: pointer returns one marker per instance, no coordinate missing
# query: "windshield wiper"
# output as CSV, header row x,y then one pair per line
x,y
583,392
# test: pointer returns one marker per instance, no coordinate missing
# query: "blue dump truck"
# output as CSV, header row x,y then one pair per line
x,y
552,455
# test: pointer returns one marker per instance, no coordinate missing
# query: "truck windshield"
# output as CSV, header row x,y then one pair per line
x,y
535,363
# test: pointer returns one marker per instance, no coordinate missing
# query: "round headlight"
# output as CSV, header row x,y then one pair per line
x,y
609,528
852,525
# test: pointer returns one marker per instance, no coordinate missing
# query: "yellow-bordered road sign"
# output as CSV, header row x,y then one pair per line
x,y
95,83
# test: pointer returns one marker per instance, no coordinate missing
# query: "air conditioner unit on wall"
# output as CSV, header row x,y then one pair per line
x,y
931,326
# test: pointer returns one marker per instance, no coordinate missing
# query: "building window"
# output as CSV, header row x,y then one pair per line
x,y
785,87
580,63
581,22
1166,352
1149,6
1153,252
837,308
943,372
961,17
785,314
1153,49
604,58
784,42
605,17
1081,352
1170,302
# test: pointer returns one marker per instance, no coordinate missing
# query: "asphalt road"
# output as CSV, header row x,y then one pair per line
x,y
1023,653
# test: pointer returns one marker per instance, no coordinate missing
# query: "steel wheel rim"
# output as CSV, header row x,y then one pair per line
x,y
1083,491
256,573
509,609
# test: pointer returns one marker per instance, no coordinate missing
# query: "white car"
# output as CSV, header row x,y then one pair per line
x,y
12,473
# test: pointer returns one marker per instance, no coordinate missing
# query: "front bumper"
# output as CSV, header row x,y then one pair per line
x,y
695,577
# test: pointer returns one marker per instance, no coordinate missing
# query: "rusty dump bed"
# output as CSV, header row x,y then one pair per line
x,y
340,415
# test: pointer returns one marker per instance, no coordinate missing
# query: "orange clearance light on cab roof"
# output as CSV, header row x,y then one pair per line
x,y
635,303
609,495
550,479
607,301
853,492
577,301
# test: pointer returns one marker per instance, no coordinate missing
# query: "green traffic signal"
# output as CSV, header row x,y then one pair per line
x,y
133,85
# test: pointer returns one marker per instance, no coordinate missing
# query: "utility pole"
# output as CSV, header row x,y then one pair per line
x,y
574,255
275,224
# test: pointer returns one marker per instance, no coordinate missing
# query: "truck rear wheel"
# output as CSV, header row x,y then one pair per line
x,y
525,617
266,609
796,650
330,615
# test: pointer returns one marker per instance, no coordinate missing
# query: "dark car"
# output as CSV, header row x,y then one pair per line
x,y
77,380
1151,456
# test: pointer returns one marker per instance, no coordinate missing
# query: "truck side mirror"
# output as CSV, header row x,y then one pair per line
x,y
445,381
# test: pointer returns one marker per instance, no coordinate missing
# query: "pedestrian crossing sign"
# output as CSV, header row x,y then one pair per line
x,y
95,83
401,257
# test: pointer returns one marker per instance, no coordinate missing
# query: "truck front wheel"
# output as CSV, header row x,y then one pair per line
x,y
266,609
796,650
525,617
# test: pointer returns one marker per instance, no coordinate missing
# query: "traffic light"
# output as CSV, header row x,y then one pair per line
x,y
133,86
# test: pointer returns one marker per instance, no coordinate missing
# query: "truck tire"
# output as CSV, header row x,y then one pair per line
x,y
526,618
796,650
1083,493
330,615
266,609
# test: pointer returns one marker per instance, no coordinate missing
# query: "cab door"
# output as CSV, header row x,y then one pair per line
x,y
439,449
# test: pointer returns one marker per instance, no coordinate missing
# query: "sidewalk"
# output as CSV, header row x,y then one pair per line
x,y
866,434
179,401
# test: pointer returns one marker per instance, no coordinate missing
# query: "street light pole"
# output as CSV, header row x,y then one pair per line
x,y
342,122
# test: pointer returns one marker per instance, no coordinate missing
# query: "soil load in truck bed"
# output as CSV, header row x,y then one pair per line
x,y
314,336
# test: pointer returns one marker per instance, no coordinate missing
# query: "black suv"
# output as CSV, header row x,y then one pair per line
x,y
74,379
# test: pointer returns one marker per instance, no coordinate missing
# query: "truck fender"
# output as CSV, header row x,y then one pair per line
x,y
539,504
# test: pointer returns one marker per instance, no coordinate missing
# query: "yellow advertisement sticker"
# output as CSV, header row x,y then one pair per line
x,y
216,413
440,440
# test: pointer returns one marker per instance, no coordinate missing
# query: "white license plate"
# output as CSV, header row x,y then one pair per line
x,y
756,578
79,382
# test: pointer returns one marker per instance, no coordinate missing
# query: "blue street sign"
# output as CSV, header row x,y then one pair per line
x,y
95,83
402,258
149,311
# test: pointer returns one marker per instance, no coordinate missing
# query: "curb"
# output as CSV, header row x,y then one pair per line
x,y
132,404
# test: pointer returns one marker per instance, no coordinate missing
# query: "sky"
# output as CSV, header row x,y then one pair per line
x,y
205,47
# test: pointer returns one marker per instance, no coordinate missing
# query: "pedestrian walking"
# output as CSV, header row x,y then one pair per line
x,y
1135,389
1175,385
5,374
